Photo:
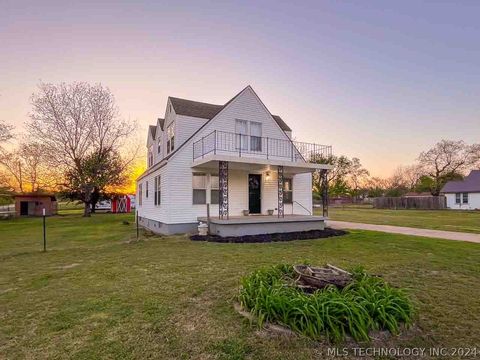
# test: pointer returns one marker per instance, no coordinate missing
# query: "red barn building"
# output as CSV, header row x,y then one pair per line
x,y
121,204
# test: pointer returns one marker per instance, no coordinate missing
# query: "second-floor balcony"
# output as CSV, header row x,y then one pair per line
x,y
228,143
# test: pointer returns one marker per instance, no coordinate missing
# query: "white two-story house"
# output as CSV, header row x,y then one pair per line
x,y
233,162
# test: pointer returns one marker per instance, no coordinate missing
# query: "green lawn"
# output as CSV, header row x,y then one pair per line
x,y
96,294
450,220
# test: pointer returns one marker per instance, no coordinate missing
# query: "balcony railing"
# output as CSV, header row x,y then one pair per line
x,y
221,142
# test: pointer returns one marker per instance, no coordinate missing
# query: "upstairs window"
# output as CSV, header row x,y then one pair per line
x,y
159,146
170,138
287,191
241,137
158,190
150,158
199,185
255,136
146,189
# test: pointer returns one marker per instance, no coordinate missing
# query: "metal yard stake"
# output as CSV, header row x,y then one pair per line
x,y
44,233
136,222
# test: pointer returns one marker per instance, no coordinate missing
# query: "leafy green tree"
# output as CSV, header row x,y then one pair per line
x,y
335,177
98,172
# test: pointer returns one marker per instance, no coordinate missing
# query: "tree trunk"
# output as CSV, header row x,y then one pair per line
x,y
86,210
94,199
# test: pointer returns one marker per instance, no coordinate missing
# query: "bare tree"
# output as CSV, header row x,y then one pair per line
x,y
11,165
73,122
412,174
5,132
27,168
447,159
357,175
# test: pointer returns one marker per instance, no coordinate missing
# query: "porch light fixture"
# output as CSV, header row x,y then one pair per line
x,y
267,175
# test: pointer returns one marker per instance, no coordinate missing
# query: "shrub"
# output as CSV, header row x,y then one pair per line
x,y
367,303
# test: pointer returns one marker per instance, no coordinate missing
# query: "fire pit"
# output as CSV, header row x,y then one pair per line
x,y
314,278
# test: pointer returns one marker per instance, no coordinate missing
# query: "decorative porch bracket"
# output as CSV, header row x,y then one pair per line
x,y
281,212
324,186
223,189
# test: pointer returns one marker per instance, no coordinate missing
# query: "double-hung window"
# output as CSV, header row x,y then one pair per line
x,y
287,191
255,136
170,137
150,158
158,190
214,189
199,185
140,194
146,189
461,198
241,137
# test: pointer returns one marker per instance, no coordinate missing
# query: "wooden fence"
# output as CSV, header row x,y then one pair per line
x,y
424,203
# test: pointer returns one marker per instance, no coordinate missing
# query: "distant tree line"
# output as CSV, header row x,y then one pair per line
x,y
447,160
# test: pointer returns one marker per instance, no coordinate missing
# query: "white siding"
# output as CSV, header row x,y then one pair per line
x,y
170,117
248,107
148,208
473,202
158,137
186,126
302,193
177,204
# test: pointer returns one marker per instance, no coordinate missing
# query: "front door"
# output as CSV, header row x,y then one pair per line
x,y
254,201
23,207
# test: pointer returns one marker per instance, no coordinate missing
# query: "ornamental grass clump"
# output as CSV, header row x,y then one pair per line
x,y
367,303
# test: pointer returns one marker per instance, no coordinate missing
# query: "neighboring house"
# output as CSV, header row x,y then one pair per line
x,y
464,194
238,158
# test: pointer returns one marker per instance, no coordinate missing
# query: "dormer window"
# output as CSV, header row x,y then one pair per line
x,y
170,137
159,146
150,158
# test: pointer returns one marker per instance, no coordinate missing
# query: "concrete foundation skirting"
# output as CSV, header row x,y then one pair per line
x,y
167,229
232,229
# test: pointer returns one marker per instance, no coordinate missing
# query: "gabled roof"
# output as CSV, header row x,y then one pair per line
x,y
195,108
161,122
283,125
470,183
209,111
189,107
153,130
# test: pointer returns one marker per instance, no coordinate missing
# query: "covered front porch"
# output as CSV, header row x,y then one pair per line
x,y
262,224
261,194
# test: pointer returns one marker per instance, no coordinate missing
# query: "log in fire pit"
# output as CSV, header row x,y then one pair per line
x,y
314,278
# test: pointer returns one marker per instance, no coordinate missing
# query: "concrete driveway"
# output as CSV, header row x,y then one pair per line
x,y
449,235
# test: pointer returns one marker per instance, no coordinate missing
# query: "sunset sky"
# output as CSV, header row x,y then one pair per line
x,y
378,80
